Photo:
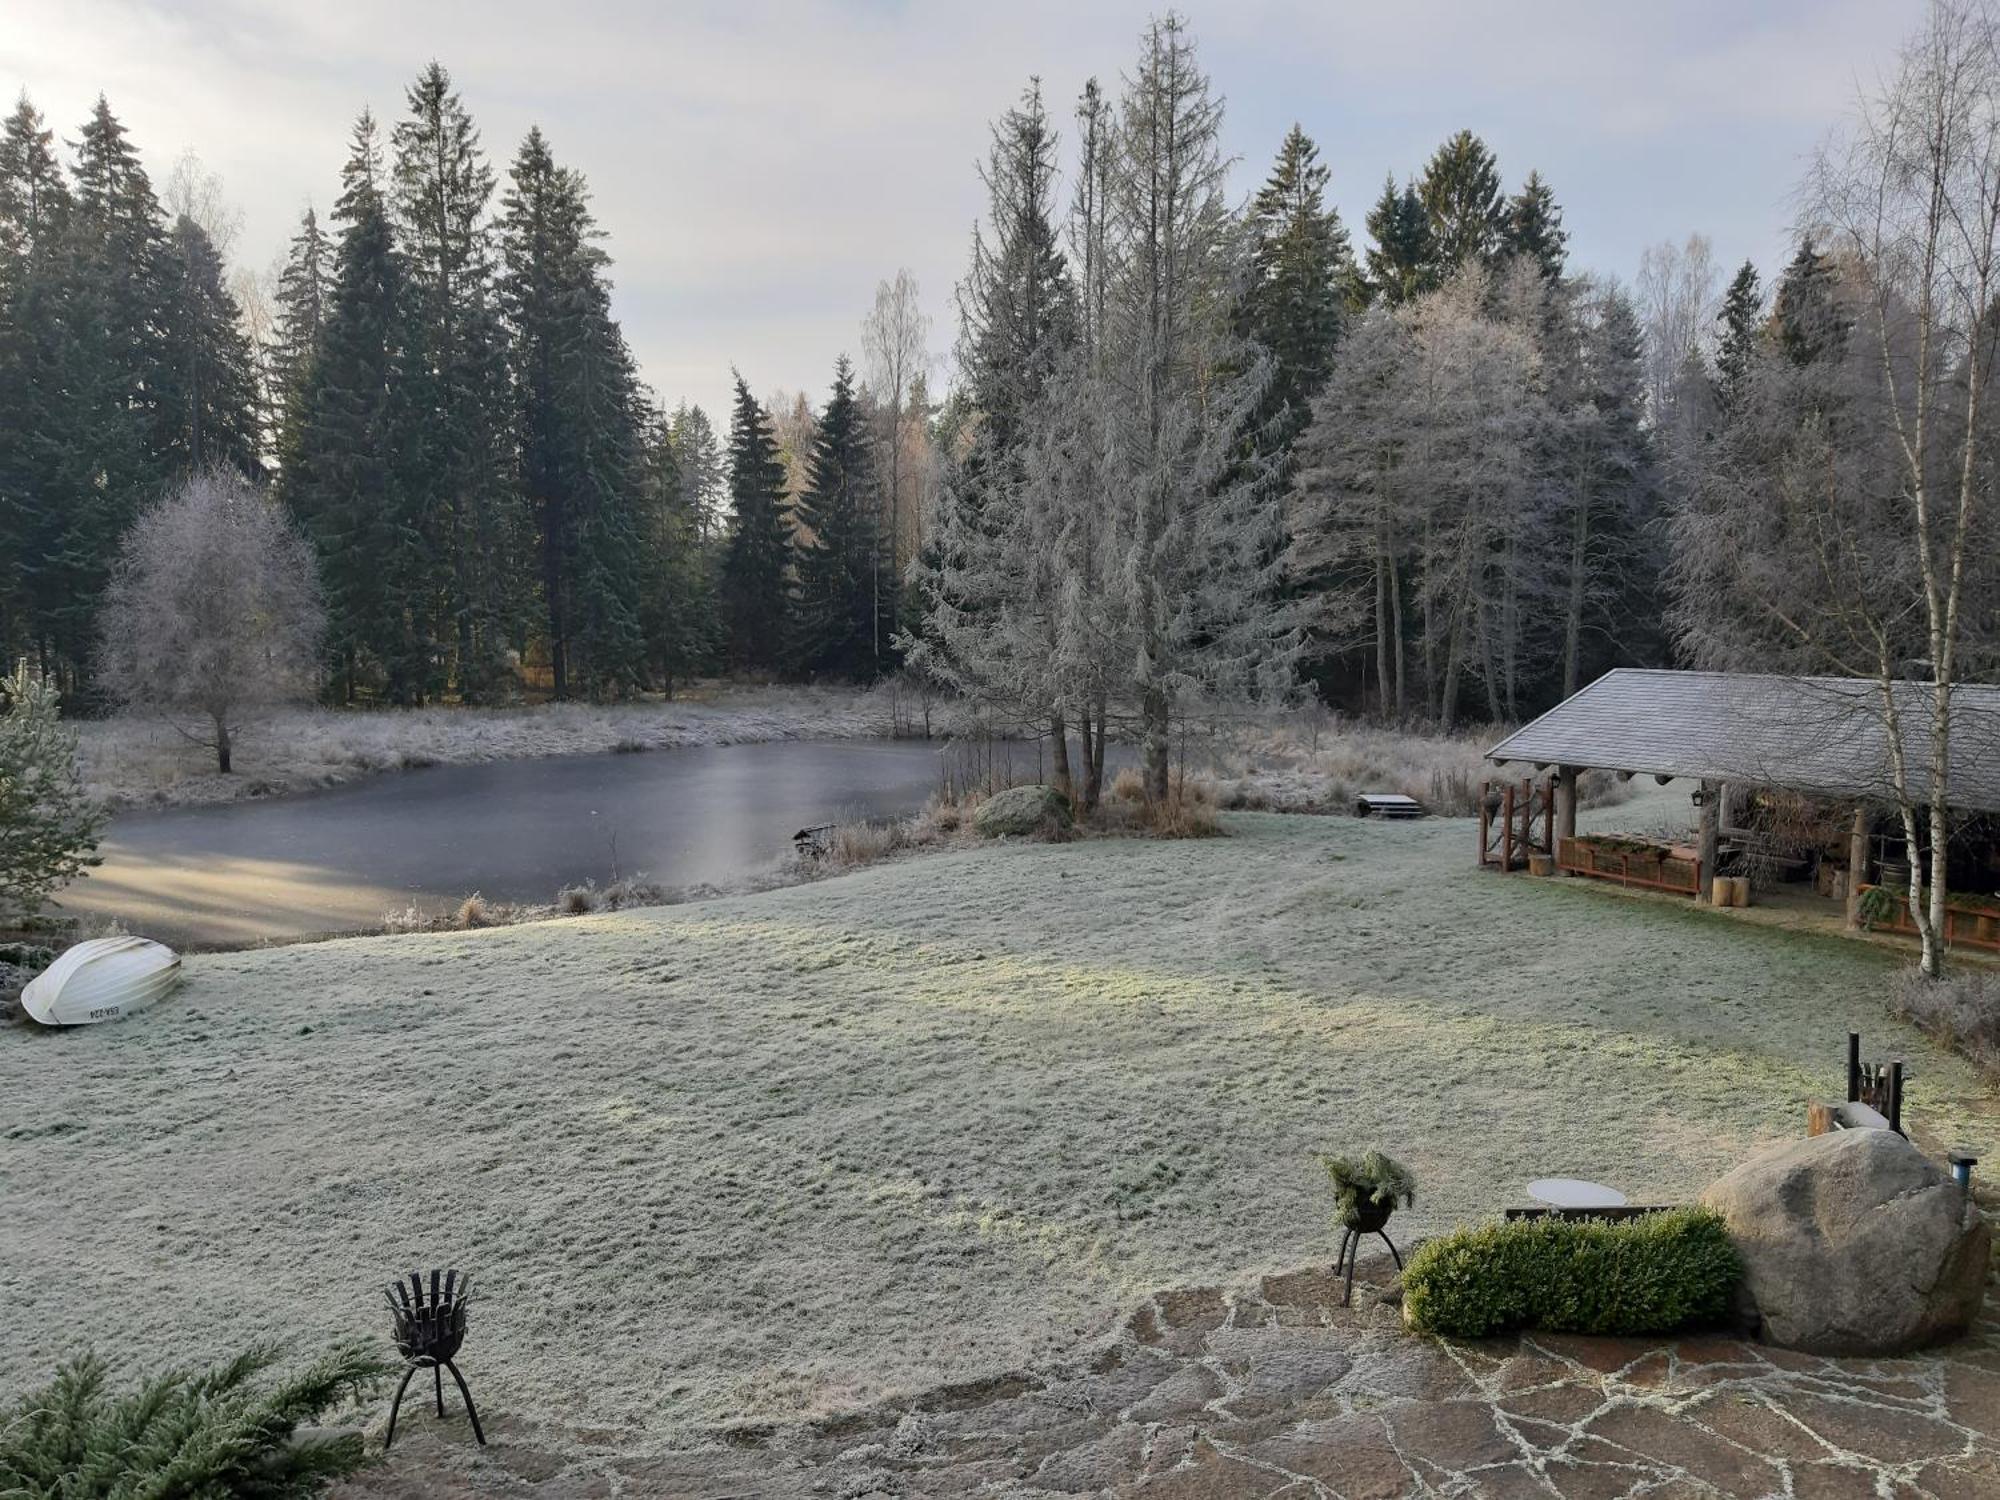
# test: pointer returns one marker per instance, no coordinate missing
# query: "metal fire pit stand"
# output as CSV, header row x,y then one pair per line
x,y
429,1330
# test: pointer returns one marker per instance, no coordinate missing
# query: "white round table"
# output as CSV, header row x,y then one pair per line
x,y
1571,1192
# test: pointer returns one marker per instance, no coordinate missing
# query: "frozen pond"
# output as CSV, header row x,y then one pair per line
x,y
512,830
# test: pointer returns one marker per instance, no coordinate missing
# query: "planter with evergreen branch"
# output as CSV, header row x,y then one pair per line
x,y
1366,1191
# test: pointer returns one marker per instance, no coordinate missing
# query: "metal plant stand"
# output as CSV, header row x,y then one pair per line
x,y
1372,1219
429,1330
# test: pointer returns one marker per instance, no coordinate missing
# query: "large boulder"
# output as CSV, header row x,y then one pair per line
x,y
1854,1242
1023,810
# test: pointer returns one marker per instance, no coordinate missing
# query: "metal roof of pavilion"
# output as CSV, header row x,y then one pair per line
x,y
1824,735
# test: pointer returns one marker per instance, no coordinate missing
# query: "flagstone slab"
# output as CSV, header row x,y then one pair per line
x,y
1279,1391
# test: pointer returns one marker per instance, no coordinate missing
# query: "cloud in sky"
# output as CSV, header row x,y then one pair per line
x,y
760,165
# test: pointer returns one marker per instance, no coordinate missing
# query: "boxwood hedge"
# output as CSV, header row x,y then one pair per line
x,y
1652,1274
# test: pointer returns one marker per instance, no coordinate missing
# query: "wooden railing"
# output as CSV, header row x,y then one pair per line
x,y
1964,926
1657,871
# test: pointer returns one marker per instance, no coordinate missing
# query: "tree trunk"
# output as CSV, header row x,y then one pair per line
x,y
1396,629
1059,753
1382,631
1157,737
1093,782
222,745
1579,551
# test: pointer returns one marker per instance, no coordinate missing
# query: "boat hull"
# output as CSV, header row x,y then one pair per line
x,y
105,979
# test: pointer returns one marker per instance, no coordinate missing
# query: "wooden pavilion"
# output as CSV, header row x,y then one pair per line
x,y
1824,739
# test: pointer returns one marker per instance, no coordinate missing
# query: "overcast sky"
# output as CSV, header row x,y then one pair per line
x,y
760,165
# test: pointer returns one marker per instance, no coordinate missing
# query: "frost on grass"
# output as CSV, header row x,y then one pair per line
x,y
768,1156
137,761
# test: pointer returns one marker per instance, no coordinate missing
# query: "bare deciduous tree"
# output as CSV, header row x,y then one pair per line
x,y
895,339
213,612
1677,303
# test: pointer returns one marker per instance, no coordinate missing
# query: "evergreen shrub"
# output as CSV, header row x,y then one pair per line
x,y
1653,1274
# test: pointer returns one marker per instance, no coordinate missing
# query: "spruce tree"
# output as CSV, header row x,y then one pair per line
x,y
700,469
109,431
579,420
1400,262
1460,192
754,583
347,483
1016,310
34,416
1806,313
207,398
468,506
1736,344
1302,276
304,293
1534,228
1016,313
676,601
839,542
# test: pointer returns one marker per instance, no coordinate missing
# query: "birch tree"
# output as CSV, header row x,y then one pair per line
x,y
1676,300
895,340
1844,524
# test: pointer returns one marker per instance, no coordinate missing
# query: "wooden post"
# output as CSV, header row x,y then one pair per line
x,y
1857,865
1565,806
1507,835
1711,812
1853,1066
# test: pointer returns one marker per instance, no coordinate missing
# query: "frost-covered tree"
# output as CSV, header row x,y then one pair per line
x,y
1197,522
1354,513
1738,328
213,613
1420,515
1676,302
895,338
48,825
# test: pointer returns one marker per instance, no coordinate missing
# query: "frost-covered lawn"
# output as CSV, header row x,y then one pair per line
x,y
130,761
770,1155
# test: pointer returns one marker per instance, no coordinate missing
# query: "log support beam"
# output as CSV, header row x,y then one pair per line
x,y
1709,840
1857,864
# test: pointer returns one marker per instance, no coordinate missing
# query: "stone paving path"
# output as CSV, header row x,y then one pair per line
x,y
1281,1393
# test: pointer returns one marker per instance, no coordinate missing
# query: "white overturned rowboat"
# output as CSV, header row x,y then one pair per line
x,y
105,979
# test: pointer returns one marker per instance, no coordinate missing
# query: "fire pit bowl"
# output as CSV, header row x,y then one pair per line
x,y
429,1328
